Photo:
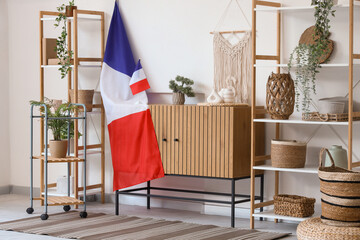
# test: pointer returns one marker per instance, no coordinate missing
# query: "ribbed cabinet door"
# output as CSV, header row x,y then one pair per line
x,y
158,115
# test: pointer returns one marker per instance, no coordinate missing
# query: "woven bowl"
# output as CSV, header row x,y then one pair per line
x,y
329,106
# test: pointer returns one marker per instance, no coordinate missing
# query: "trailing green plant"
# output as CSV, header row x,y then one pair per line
x,y
64,54
307,56
184,86
57,126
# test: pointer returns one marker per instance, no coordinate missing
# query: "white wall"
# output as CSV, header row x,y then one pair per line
x,y
4,97
172,37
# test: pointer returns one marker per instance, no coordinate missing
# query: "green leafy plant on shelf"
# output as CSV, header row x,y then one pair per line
x,y
64,54
307,56
58,127
183,87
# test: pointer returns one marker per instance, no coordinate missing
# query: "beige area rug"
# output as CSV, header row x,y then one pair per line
x,y
103,226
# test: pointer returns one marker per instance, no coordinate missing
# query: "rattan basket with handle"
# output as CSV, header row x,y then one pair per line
x,y
293,205
340,199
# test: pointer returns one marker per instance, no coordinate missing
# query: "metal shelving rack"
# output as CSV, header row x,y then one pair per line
x,y
73,83
45,159
256,161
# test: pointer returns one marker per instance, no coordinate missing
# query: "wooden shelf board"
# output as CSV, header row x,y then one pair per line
x,y
299,121
80,65
299,8
62,200
81,17
325,65
270,214
306,169
60,160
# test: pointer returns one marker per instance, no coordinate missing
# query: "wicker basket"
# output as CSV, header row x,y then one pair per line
x,y
340,189
314,229
85,97
293,205
288,154
330,117
280,96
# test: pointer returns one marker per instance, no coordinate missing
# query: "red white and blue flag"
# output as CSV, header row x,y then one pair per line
x,y
135,152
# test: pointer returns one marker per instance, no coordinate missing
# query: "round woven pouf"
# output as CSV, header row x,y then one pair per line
x,y
314,229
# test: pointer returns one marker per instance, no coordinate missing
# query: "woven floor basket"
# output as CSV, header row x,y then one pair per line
x,y
314,229
293,205
340,189
280,96
288,154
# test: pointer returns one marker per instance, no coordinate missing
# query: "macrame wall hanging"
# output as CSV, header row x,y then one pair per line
x,y
232,62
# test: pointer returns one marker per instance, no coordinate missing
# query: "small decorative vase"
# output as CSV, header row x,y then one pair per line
x,y
69,11
56,103
214,97
178,98
280,96
228,94
339,155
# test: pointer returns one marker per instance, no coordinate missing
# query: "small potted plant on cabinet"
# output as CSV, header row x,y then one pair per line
x,y
181,89
58,146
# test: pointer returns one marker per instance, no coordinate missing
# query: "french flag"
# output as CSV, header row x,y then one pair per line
x,y
134,149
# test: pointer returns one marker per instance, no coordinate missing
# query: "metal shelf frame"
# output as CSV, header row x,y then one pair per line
x,y
232,195
256,160
45,160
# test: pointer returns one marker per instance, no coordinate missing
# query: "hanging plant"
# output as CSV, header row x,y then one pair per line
x,y
64,54
307,57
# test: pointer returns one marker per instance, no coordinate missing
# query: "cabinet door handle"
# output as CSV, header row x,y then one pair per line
x,y
164,139
176,140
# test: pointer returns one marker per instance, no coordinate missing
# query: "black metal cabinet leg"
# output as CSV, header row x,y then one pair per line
x,y
261,192
148,195
117,202
233,203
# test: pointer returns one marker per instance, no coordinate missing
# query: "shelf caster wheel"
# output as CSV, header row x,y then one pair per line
x,y
44,216
83,214
66,208
30,210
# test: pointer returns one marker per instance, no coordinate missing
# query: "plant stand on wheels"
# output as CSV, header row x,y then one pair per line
x,y
65,201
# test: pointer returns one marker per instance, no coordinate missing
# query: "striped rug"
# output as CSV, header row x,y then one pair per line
x,y
102,226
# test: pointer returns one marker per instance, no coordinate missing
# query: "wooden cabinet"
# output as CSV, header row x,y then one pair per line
x,y
205,141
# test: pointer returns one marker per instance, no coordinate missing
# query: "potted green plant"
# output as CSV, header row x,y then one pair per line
x,y
63,53
181,89
69,9
308,57
58,146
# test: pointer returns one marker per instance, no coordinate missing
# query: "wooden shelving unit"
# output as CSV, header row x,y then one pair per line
x,y
73,83
257,161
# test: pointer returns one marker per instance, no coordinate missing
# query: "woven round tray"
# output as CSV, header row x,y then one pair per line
x,y
308,38
314,229
223,104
